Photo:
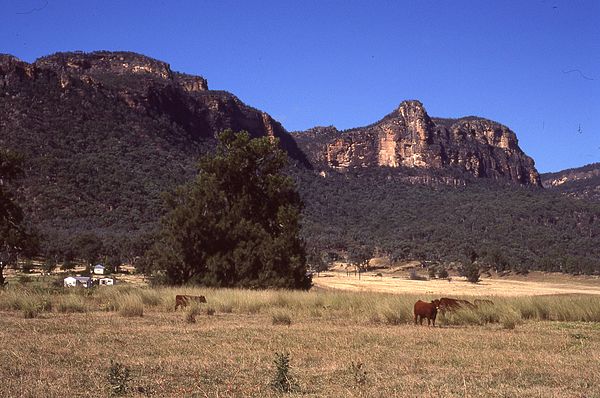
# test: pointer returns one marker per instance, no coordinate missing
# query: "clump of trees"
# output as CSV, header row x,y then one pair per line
x,y
15,236
237,224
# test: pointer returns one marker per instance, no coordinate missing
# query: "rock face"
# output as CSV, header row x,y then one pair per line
x,y
581,182
147,86
409,138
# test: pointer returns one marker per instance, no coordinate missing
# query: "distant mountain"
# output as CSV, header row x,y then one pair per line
x,y
408,138
580,182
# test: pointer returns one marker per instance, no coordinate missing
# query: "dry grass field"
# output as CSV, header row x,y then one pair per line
x,y
534,284
58,343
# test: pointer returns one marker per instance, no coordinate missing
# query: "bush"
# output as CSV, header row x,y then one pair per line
x,y
131,305
150,297
471,272
442,273
71,303
192,311
359,374
392,316
282,380
510,319
118,377
281,318
68,265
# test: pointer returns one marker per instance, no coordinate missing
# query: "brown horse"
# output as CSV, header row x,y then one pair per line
x,y
426,310
182,300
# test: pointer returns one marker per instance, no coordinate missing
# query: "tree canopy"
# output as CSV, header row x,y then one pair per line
x,y
237,224
14,236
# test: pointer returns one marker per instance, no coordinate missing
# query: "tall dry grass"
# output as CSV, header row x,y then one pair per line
x,y
363,307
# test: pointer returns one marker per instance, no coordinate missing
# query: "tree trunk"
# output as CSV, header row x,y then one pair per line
x,y
2,280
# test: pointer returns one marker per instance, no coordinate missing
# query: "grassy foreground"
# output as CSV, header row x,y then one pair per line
x,y
57,343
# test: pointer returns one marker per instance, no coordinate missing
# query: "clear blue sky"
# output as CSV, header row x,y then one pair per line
x,y
531,65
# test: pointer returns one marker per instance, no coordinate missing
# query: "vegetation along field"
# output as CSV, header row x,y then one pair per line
x,y
125,340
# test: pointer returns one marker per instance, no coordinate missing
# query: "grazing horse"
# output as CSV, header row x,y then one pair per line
x,y
182,300
426,310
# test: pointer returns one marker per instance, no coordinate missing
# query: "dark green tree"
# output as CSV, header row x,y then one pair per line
x,y
89,246
15,237
359,256
470,268
237,224
318,261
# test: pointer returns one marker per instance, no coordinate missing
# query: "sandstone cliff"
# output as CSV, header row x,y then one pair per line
x,y
409,138
147,86
581,182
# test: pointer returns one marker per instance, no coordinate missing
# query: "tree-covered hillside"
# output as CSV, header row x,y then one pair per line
x,y
507,226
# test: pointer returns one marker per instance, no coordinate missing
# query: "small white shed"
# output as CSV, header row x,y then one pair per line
x,y
106,282
74,281
70,282
99,269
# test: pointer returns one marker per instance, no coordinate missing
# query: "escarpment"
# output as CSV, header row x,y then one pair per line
x,y
409,138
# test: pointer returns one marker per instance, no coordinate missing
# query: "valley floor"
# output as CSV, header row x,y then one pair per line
x,y
231,355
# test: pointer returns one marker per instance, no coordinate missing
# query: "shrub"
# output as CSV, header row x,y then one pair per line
x,y
358,373
392,316
150,297
68,265
509,319
282,380
471,272
118,377
442,273
281,318
131,305
192,311
71,303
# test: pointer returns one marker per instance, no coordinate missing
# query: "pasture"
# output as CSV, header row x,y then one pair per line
x,y
58,343
534,284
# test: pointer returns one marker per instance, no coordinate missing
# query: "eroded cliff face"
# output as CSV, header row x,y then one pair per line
x,y
581,182
408,137
145,85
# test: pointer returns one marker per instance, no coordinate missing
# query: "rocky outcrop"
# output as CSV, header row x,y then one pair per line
x,y
118,63
409,138
581,182
191,83
13,70
147,86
